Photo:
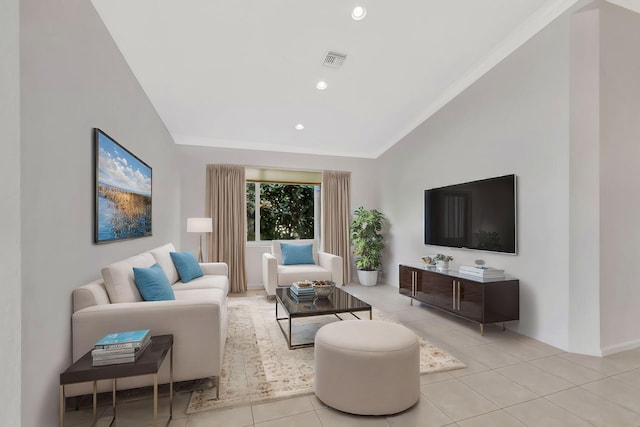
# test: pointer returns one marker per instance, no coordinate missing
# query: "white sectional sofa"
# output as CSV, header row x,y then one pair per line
x,y
326,267
197,318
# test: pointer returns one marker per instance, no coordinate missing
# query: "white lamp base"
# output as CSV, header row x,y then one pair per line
x,y
200,253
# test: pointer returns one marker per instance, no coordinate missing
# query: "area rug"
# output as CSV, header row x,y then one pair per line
x,y
259,367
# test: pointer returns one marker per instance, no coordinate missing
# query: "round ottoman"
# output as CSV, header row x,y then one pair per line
x,y
367,367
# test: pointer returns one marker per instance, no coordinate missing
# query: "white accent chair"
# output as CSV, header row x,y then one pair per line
x,y
327,267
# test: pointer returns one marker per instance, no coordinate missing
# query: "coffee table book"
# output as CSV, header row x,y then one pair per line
x,y
115,356
128,339
148,363
302,298
302,290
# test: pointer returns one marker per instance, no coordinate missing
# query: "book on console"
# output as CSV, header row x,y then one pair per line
x,y
483,276
480,270
486,276
128,339
119,352
485,271
104,362
111,351
477,276
118,357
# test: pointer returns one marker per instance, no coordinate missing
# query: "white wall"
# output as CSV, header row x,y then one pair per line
x,y
584,244
73,79
562,114
193,162
10,249
515,119
619,178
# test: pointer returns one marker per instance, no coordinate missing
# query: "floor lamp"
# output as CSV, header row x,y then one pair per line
x,y
199,225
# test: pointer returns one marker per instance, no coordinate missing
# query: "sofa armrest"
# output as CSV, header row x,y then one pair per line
x,y
93,293
333,263
269,273
197,319
215,268
189,317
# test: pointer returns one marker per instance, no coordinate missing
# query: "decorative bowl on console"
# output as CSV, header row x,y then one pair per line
x,y
323,288
429,261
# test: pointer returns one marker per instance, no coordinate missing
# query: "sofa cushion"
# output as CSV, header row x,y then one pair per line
x,y
118,278
162,257
293,254
205,282
187,265
296,273
153,284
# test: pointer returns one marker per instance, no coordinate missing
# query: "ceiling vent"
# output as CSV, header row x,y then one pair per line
x,y
334,59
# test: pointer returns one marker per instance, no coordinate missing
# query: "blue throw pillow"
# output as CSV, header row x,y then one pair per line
x,y
187,266
153,284
297,253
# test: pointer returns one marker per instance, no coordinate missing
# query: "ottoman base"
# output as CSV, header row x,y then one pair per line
x,y
367,367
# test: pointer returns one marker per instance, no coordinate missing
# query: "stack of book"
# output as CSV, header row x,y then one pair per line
x,y
120,347
482,272
302,291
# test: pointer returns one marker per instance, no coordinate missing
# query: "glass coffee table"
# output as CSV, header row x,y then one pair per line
x,y
338,302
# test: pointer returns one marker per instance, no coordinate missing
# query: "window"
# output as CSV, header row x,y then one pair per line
x,y
281,210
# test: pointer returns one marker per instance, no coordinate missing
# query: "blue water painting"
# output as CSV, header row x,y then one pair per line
x,y
123,193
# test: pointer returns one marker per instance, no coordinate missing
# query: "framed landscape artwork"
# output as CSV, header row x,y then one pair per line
x,y
123,192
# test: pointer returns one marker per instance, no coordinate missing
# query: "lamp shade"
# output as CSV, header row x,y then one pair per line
x,y
199,225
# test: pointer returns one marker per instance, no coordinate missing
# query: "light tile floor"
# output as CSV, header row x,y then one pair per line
x,y
510,380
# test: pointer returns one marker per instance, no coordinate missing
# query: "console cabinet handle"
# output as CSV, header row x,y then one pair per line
x,y
413,283
454,294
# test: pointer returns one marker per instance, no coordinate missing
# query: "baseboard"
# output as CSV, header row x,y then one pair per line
x,y
629,345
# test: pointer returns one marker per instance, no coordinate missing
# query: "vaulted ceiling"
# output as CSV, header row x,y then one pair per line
x,y
243,73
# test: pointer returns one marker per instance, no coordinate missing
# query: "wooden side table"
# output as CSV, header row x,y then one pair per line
x,y
149,362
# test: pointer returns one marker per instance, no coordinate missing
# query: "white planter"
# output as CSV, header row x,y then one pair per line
x,y
442,265
368,278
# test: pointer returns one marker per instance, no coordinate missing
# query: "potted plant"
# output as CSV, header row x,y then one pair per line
x,y
367,243
442,261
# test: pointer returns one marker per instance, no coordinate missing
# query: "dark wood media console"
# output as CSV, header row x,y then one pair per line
x,y
479,300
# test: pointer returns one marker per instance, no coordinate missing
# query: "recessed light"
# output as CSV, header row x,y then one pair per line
x,y
358,13
299,126
322,85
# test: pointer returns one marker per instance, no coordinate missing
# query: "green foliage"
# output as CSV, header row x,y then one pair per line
x,y
251,211
367,241
441,257
286,211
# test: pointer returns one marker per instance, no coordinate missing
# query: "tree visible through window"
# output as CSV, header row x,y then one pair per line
x,y
280,211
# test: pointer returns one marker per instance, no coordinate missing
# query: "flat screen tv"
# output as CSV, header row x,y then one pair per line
x,y
475,215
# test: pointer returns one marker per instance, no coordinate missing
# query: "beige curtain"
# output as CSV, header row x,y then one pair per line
x,y
336,217
226,204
